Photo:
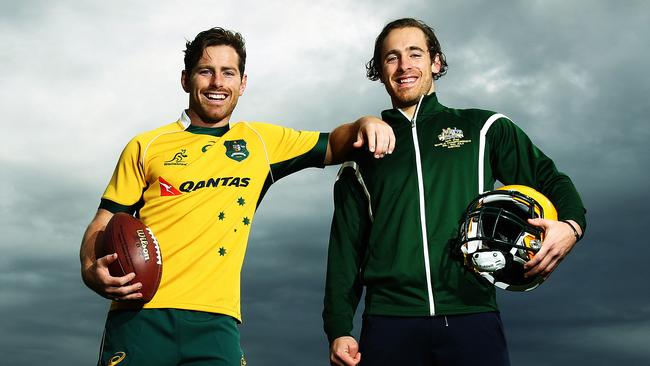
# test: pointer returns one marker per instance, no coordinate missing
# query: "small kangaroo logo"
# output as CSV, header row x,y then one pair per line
x,y
178,158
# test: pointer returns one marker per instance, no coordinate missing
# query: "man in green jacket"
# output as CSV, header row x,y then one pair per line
x,y
395,219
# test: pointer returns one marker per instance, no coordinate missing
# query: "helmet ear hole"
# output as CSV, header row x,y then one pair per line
x,y
496,239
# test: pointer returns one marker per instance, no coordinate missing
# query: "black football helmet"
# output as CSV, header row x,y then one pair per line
x,y
496,239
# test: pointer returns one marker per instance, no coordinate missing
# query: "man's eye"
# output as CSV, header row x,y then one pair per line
x,y
391,59
416,55
205,72
229,73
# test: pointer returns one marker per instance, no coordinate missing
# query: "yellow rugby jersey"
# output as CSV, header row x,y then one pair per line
x,y
198,189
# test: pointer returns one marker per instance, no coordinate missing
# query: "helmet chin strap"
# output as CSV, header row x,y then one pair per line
x,y
488,261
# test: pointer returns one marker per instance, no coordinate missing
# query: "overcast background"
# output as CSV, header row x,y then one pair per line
x,y
79,78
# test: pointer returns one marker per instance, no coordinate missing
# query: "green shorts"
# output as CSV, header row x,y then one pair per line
x,y
170,337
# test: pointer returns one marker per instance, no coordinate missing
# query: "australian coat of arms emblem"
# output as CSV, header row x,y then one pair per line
x,y
236,149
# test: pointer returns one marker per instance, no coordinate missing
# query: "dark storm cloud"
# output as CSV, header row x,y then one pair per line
x,y
283,294
572,74
48,315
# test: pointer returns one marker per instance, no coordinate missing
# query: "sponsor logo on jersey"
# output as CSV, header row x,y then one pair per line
x,y
208,146
190,186
117,358
167,189
236,149
178,158
451,138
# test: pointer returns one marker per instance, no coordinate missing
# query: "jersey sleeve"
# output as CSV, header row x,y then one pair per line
x,y
124,191
291,150
347,247
516,160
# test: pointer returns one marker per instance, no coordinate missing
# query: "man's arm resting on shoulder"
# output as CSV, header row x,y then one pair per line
x,y
368,130
94,271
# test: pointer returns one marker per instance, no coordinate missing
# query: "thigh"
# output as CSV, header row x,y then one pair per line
x,y
393,341
137,337
209,339
472,339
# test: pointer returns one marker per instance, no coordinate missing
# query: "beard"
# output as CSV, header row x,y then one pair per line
x,y
411,97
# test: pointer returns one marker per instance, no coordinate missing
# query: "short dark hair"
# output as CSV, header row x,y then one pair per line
x,y
373,67
216,36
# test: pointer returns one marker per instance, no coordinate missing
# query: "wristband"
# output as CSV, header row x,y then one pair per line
x,y
575,231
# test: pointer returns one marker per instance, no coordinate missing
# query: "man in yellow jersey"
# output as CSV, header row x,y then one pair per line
x,y
196,183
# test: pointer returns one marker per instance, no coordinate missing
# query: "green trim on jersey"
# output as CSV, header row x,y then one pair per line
x,y
313,159
386,253
115,207
212,131
282,169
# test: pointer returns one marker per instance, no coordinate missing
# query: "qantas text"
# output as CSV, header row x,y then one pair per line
x,y
215,182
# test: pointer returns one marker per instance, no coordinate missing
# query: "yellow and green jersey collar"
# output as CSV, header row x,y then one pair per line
x,y
212,131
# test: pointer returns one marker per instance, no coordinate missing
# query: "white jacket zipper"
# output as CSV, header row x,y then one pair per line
x,y
423,216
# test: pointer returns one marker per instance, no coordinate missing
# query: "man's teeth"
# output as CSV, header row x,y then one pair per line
x,y
216,96
407,80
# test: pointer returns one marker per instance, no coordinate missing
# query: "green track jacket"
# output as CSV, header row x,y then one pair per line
x,y
395,218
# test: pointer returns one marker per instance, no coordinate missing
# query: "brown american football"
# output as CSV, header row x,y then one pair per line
x,y
137,251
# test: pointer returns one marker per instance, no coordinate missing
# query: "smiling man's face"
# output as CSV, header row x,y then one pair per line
x,y
407,66
214,85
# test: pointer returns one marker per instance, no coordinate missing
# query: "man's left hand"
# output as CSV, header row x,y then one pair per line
x,y
377,134
558,241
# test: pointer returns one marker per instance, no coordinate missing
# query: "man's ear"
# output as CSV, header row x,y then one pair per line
x,y
436,65
242,87
185,81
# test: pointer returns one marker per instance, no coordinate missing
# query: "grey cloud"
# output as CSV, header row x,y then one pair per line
x,y
571,74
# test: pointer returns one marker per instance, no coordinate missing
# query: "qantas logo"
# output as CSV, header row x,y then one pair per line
x,y
190,186
167,189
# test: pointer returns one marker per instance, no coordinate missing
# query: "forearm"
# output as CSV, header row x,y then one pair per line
x,y
564,195
87,249
338,314
340,143
367,130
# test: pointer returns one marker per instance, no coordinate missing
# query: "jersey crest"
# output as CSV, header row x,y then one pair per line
x,y
451,138
236,150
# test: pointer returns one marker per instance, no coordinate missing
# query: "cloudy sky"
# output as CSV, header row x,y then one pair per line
x,y
79,78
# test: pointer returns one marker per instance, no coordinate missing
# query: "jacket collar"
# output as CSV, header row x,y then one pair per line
x,y
429,106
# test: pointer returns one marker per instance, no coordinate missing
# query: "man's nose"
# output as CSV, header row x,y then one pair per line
x,y
217,80
405,63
